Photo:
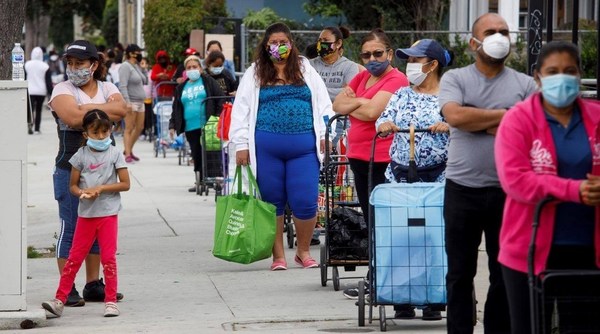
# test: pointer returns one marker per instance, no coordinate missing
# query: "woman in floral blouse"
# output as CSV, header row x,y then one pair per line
x,y
418,105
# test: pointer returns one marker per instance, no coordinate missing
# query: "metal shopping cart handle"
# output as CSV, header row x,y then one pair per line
x,y
531,258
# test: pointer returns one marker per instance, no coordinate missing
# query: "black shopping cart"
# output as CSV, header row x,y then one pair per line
x,y
215,155
561,301
346,235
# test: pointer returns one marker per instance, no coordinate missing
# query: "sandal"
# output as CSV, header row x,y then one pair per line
x,y
308,262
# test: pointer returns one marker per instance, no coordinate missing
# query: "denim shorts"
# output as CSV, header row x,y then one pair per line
x,y
67,213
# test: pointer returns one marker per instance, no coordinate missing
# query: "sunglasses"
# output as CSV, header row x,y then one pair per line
x,y
376,54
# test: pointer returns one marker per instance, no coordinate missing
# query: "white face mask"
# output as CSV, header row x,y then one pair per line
x,y
496,46
414,72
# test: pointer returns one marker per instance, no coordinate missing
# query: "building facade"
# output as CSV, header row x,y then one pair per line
x,y
464,12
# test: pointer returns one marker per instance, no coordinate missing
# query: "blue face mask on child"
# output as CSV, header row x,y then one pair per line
x,y
99,144
560,90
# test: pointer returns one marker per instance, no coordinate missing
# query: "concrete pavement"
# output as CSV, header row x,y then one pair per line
x,y
171,281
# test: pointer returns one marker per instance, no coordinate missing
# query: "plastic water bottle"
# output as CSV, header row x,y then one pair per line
x,y
18,63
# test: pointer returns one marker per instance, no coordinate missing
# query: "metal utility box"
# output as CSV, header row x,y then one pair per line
x,y
13,195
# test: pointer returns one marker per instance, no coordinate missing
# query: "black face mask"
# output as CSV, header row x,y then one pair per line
x,y
324,49
138,58
162,62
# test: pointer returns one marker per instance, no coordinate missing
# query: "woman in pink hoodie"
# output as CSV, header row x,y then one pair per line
x,y
549,145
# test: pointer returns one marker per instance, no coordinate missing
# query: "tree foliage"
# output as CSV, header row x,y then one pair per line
x,y
263,18
110,22
167,23
386,14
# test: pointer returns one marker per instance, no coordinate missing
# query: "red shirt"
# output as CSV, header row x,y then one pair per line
x,y
361,133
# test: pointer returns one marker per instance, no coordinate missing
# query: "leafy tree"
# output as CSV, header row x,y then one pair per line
x,y
588,46
167,23
386,14
263,18
110,22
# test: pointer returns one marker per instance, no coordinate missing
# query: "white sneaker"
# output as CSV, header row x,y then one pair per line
x,y
54,306
111,310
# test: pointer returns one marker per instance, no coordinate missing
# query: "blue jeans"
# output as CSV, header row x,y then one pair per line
x,y
67,213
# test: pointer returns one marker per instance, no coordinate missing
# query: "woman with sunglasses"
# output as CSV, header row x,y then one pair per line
x,y
363,100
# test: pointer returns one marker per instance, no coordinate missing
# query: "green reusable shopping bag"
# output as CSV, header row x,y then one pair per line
x,y
213,143
245,226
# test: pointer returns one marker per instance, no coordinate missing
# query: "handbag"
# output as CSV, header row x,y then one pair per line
x,y
245,226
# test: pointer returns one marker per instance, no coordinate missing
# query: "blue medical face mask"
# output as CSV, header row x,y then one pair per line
x,y
99,144
216,70
193,74
560,90
376,68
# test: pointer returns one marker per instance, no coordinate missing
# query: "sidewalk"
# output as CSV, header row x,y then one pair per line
x,y
171,281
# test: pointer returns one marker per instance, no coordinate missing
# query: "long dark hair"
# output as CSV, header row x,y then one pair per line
x,y
102,70
266,73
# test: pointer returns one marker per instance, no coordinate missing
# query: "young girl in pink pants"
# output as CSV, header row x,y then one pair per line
x,y
98,175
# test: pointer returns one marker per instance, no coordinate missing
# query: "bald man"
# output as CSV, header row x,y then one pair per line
x,y
473,100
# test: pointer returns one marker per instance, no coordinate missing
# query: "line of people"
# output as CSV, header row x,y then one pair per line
x,y
278,127
463,109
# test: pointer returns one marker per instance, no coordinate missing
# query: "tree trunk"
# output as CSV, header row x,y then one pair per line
x,y
36,33
12,16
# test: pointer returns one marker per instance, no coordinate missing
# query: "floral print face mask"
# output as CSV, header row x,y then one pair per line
x,y
280,51
79,77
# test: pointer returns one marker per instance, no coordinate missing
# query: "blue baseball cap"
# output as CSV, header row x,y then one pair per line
x,y
426,48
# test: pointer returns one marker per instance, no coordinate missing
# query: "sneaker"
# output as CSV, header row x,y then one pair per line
x,y
408,313
94,291
54,306
429,314
351,293
129,159
134,157
74,299
315,241
111,310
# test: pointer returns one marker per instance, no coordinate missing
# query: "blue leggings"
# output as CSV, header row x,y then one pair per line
x,y
288,172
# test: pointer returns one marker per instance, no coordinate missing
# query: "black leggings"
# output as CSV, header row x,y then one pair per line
x,y
193,137
360,169
37,102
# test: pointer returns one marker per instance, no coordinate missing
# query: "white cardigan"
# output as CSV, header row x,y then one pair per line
x,y
245,109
